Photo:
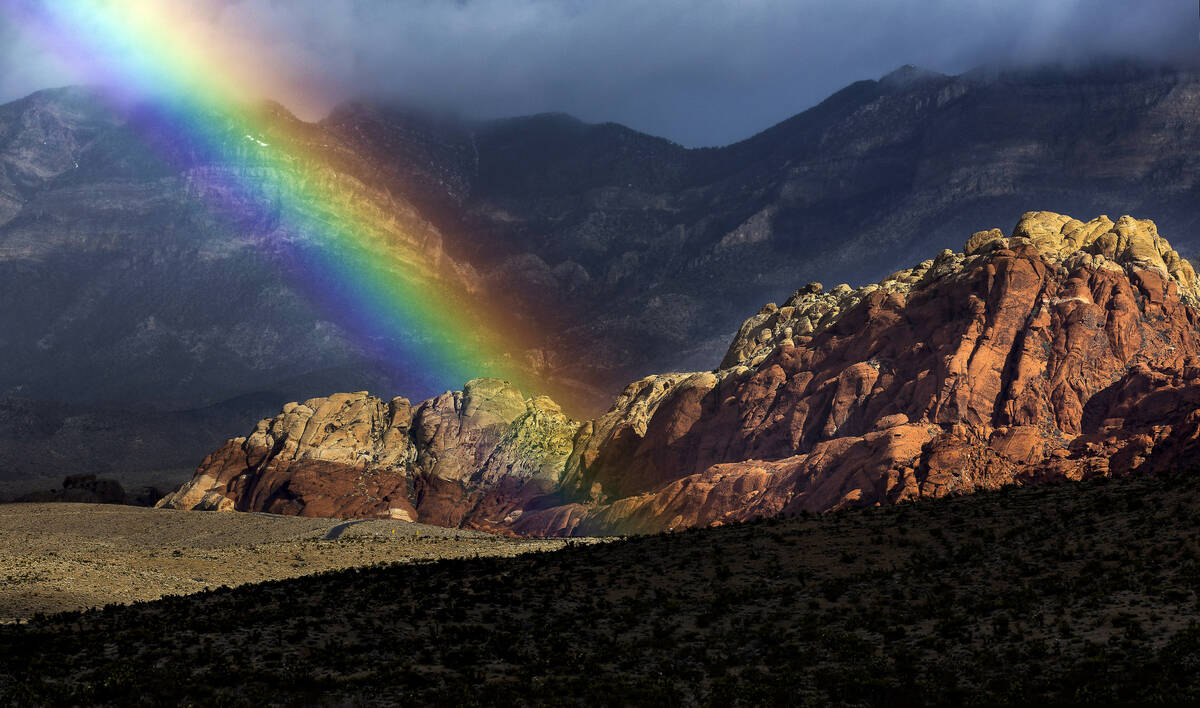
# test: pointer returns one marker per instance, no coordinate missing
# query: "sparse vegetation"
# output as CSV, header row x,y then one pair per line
x,y
1062,593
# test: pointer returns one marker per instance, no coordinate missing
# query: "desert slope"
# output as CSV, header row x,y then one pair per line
x,y
1066,350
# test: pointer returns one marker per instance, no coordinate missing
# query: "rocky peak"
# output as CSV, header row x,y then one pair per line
x,y
42,137
1128,246
907,76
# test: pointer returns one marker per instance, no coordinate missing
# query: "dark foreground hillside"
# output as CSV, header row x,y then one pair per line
x,y
1061,593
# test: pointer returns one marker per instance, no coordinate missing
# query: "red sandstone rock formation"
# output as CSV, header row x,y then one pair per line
x,y
1065,351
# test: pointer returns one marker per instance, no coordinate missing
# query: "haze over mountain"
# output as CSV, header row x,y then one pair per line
x,y
126,291
699,72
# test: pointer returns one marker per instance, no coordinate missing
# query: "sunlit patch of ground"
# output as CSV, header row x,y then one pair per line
x,y
56,557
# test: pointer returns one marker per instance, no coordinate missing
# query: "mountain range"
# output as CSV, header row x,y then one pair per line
x,y
128,296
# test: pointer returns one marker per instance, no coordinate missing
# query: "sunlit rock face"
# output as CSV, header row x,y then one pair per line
x,y
466,457
1064,350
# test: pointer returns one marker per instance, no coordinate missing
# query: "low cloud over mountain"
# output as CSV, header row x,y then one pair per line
x,y
701,72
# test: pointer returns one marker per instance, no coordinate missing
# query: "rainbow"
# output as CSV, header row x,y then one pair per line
x,y
362,263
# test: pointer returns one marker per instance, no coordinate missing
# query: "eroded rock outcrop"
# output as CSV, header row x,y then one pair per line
x,y
352,454
1065,350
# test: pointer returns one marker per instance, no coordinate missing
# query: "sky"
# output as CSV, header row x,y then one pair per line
x,y
699,72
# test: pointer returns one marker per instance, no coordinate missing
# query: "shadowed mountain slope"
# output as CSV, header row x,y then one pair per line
x,y
655,251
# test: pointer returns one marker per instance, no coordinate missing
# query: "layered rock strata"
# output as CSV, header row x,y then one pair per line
x,y
1063,351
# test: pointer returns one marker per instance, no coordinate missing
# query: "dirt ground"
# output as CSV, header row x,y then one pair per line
x,y
56,557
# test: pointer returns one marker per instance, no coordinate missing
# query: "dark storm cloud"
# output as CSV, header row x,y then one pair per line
x,y
699,71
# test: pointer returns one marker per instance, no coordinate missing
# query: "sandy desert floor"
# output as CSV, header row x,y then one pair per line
x,y
56,557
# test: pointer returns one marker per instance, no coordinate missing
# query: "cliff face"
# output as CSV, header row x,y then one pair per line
x,y
1064,351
